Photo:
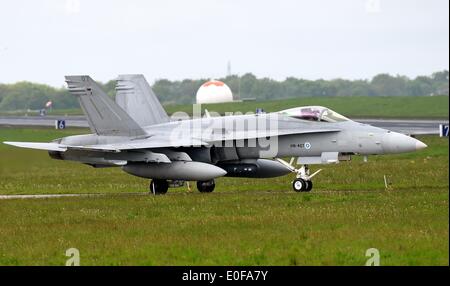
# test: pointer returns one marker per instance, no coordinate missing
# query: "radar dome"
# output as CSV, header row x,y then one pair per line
x,y
214,91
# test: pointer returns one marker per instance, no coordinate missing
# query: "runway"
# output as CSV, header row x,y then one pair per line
x,y
71,121
406,126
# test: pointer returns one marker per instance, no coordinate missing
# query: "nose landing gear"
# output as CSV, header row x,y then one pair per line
x,y
303,182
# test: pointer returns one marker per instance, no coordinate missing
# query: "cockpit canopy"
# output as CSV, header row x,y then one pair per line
x,y
315,113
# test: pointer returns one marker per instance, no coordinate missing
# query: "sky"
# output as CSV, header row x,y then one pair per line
x,y
43,40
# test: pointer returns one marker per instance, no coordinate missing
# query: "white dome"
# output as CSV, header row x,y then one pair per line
x,y
214,91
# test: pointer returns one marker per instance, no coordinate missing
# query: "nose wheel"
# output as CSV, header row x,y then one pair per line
x,y
300,185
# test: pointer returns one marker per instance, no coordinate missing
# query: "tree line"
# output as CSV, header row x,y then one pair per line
x,y
27,95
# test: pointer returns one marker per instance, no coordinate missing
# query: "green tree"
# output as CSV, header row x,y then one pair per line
x,y
387,85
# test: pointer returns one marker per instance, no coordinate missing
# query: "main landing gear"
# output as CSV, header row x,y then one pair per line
x,y
160,187
206,186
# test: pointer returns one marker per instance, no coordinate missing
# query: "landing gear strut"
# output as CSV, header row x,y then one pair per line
x,y
303,182
206,186
158,187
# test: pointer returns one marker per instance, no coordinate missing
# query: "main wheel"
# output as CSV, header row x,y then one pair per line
x,y
309,186
299,185
206,186
158,187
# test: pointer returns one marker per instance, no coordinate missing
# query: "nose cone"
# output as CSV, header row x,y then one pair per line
x,y
420,145
218,172
394,142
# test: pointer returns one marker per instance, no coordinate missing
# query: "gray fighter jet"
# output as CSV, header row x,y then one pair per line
x,y
135,134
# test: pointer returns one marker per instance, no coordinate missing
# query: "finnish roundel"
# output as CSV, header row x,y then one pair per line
x,y
214,91
307,145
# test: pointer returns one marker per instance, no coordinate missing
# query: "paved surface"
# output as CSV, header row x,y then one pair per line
x,y
71,121
52,196
407,126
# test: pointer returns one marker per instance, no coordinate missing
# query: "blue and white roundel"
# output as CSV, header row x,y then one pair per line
x,y
307,145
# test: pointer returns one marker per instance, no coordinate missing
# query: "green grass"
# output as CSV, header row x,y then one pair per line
x,y
244,222
435,107
362,107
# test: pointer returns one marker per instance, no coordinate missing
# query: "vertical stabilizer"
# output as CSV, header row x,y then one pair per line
x,y
137,98
104,116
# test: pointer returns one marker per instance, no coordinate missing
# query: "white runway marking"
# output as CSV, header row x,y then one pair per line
x,y
50,196
226,193
9,197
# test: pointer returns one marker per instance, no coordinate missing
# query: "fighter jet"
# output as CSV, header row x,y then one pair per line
x,y
135,134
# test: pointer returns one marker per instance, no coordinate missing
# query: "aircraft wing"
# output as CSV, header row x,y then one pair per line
x,y
38,146
59,147
166,142
154,142
151,144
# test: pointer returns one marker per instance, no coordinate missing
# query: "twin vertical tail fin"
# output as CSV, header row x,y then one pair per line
x,y
104,116
135,96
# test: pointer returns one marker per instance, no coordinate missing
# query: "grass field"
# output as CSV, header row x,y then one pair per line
x,y
244,222
357,107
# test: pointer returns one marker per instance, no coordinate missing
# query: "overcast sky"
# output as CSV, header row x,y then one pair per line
x,y
43,40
